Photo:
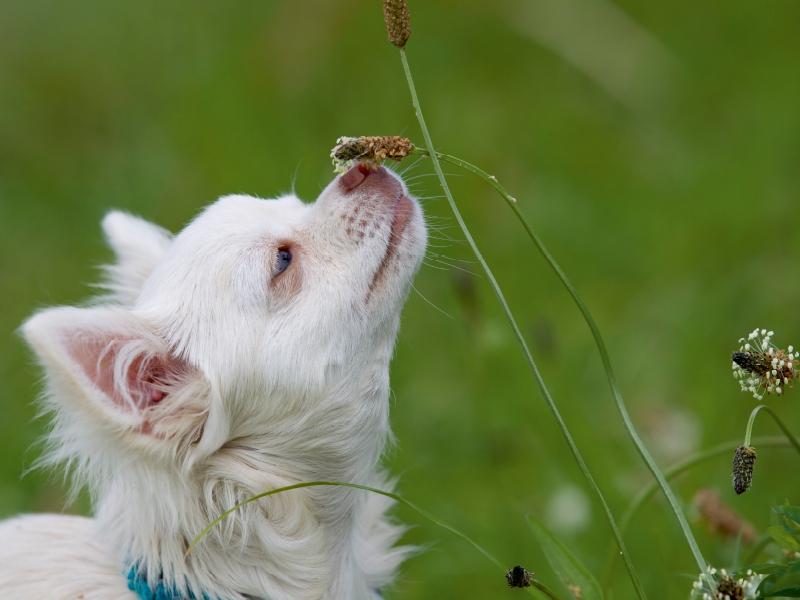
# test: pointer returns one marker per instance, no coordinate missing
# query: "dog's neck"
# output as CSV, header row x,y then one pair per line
x,y
306,543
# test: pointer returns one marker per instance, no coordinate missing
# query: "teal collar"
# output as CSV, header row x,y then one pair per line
x,y
137,582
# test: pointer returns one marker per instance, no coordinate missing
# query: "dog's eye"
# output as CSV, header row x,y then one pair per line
x,y
284,259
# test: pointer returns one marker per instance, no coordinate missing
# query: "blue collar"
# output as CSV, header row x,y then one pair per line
x,y
137,582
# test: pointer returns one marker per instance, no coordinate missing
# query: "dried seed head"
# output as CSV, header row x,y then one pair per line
x,y
376,149
729,589
722,519
761,367
518,577
395,13
744,460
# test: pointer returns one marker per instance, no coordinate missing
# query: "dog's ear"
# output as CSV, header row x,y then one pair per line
x,y
138,245
105,365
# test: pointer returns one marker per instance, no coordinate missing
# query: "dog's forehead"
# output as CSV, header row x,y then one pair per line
x,y
242,218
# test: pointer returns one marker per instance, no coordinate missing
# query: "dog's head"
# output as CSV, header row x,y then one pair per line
x,y
259,314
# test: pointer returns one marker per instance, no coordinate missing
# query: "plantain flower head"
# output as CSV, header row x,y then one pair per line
x,y
763,368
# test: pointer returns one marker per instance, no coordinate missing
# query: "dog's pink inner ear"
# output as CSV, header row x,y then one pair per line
x,y
130,372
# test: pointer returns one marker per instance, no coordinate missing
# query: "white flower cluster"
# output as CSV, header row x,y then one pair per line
x,y
719,585
763,368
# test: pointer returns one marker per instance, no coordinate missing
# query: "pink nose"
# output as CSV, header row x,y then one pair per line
x,y
356,175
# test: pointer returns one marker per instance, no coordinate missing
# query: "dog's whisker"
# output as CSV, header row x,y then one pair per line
x,y
454,260
429,302
457,267
427,264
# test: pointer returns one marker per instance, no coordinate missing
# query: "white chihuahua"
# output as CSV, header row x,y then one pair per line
x,y
247,353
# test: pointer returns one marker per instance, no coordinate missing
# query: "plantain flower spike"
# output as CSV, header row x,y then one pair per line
x,y
395,13
374,149
744,459
720,585
761,367
518,577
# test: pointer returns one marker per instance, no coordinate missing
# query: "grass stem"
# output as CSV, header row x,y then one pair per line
x,y
789,435
685,465
518,335
395,497
643,452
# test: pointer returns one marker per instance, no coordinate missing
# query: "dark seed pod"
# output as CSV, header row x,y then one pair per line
x,y
398,27
518,577
728,588
743,462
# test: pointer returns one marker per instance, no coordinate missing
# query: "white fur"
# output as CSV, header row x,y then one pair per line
x,y
203,378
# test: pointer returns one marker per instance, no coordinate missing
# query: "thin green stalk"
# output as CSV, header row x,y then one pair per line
x,y
643,452
685,465
518,335
758,548
789,435
391,495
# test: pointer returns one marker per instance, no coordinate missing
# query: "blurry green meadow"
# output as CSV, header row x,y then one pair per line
x,y
655,147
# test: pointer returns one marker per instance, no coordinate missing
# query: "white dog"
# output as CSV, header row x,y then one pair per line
x,y
247,353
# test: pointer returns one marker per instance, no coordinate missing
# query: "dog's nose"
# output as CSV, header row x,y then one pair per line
x,y
357,174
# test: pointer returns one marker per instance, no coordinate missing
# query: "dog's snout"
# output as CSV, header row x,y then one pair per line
x,y
360,172
355,176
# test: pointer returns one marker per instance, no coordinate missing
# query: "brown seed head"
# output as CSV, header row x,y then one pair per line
x,y
395,13
373,149
744,460
518,577
721,518
729,589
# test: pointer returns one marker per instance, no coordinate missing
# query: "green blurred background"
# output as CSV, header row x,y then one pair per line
x,y
654,145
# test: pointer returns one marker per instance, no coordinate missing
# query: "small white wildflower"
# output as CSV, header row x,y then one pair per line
x,y
761,367
713,585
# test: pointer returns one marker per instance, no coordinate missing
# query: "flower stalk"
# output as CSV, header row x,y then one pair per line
x,y
518,335
647,492
643,452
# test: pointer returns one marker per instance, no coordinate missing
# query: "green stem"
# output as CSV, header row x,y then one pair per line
x,y
789,435
623,411
758,548
518,335
391,495
685,465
